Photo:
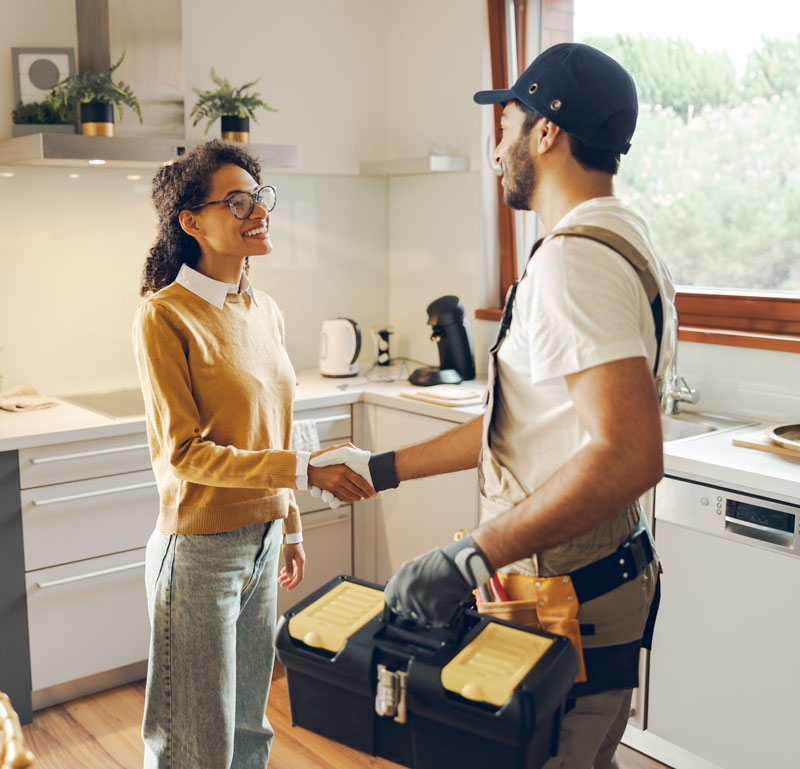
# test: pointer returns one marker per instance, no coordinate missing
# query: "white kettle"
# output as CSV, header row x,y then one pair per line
x,y
339,345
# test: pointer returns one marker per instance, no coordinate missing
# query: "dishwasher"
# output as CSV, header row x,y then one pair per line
x,y
724,681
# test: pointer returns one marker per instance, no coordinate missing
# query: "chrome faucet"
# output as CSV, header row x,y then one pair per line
x,y
676,391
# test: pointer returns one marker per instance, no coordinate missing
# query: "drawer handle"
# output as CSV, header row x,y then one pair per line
x,y
82,454
326,523
90,575
335,418
86,494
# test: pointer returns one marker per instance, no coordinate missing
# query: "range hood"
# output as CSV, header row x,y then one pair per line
x,y
75,150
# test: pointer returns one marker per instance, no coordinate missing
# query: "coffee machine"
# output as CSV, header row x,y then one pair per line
x,y
451,333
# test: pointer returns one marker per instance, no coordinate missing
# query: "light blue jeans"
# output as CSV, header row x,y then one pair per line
x,y
211,599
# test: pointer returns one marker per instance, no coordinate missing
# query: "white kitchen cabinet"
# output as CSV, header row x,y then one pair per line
x,y
78,460
328,544
71,521
88,508
419,515
327,532
85,618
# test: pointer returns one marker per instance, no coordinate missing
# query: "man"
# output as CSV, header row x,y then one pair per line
x,y
572,434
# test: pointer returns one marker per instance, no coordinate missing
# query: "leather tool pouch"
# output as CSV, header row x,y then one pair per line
x,y
544,603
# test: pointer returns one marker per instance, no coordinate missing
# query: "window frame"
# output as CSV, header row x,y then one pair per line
x,y
506,225
752,319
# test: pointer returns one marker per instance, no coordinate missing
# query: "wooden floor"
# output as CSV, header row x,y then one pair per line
x,y
102,731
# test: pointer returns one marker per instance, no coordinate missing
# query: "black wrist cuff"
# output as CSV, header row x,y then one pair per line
x,y
381,468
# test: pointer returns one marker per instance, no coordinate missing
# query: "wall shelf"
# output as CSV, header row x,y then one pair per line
x,y
71,150
422,165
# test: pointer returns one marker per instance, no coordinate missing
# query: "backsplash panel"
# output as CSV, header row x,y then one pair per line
x,y
73,247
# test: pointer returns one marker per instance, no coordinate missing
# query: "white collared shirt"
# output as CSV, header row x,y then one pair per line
x,y
214,292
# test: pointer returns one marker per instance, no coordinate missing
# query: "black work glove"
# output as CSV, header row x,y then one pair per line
x,y
431,588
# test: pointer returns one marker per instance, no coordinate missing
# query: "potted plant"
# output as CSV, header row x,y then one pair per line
x,y
96,94
232,105
46,116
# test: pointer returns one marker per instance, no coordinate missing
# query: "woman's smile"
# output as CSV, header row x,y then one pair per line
x,y
259,232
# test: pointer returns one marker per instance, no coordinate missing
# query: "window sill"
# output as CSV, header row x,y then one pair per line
x,y
756,321
763,321
488,314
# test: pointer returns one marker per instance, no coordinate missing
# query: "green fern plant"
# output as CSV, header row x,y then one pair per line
x,y
97,86
227,100
45,112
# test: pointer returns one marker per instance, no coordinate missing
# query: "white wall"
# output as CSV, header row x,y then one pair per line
x,y
32,24
434,54
73,251
738,380
434,239
321,64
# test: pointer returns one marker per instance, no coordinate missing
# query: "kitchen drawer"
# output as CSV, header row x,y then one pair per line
x,y
64,462
84,519
87,617
328,543
334,423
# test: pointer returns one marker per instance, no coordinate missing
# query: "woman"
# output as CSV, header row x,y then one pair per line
x,y
218,388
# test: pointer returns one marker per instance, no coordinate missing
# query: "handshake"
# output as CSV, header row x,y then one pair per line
x,y
345,474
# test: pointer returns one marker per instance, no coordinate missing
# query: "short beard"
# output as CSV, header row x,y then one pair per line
x,y
520,175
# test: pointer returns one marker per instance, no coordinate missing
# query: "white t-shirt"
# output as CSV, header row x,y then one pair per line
x,y
579,305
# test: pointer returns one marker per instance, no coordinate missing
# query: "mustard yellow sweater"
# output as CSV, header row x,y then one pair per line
x,y
218,390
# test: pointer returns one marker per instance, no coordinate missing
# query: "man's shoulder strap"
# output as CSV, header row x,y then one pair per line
x,y
636,260
616,243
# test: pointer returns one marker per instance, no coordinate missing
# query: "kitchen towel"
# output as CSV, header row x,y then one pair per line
x,y
305,436
24,397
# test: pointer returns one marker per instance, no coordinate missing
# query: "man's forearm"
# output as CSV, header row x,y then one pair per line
x,y
457,449
592,487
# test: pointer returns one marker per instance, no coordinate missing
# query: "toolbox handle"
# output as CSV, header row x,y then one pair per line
x,y
422,635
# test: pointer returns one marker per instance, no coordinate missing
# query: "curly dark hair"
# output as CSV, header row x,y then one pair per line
x,y
182,184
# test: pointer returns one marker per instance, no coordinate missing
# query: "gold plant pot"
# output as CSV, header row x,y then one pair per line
x,y
97,129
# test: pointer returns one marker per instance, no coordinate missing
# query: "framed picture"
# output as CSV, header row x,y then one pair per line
x,y
37,70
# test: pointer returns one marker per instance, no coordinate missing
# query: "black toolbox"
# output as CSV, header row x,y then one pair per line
x,y
484,693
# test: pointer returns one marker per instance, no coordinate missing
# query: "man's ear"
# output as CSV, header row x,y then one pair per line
x,y
544,136
190,224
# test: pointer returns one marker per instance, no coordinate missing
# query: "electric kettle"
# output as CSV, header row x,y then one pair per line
x,y
339,345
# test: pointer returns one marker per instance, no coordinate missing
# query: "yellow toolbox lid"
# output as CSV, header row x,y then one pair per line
x,y
488,668
331,620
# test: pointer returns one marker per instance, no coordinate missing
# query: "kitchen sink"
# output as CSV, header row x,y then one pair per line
x,y
116,404
688,424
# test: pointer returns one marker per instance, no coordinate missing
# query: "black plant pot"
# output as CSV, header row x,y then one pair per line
x,y
235,128
97,118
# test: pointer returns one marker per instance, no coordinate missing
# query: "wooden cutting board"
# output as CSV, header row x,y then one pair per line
x,y
759,440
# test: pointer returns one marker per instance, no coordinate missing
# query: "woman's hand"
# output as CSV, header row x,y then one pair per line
x,y
295,564
340,480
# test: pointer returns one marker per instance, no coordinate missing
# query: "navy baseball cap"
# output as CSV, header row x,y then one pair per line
x,y
578,88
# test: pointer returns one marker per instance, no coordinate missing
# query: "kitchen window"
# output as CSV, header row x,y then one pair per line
x,y
715,163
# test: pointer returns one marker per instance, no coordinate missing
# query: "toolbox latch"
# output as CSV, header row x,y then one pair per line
x,y
390,699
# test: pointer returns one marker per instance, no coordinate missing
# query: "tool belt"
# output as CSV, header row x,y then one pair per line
x,y
551,603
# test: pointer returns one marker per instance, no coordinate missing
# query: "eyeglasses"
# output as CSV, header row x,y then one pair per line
x,y
243,203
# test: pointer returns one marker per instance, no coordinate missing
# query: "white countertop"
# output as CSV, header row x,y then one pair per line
x,y
713,458
66,422
710,457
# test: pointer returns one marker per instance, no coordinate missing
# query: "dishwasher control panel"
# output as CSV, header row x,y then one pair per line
x,y
727,513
